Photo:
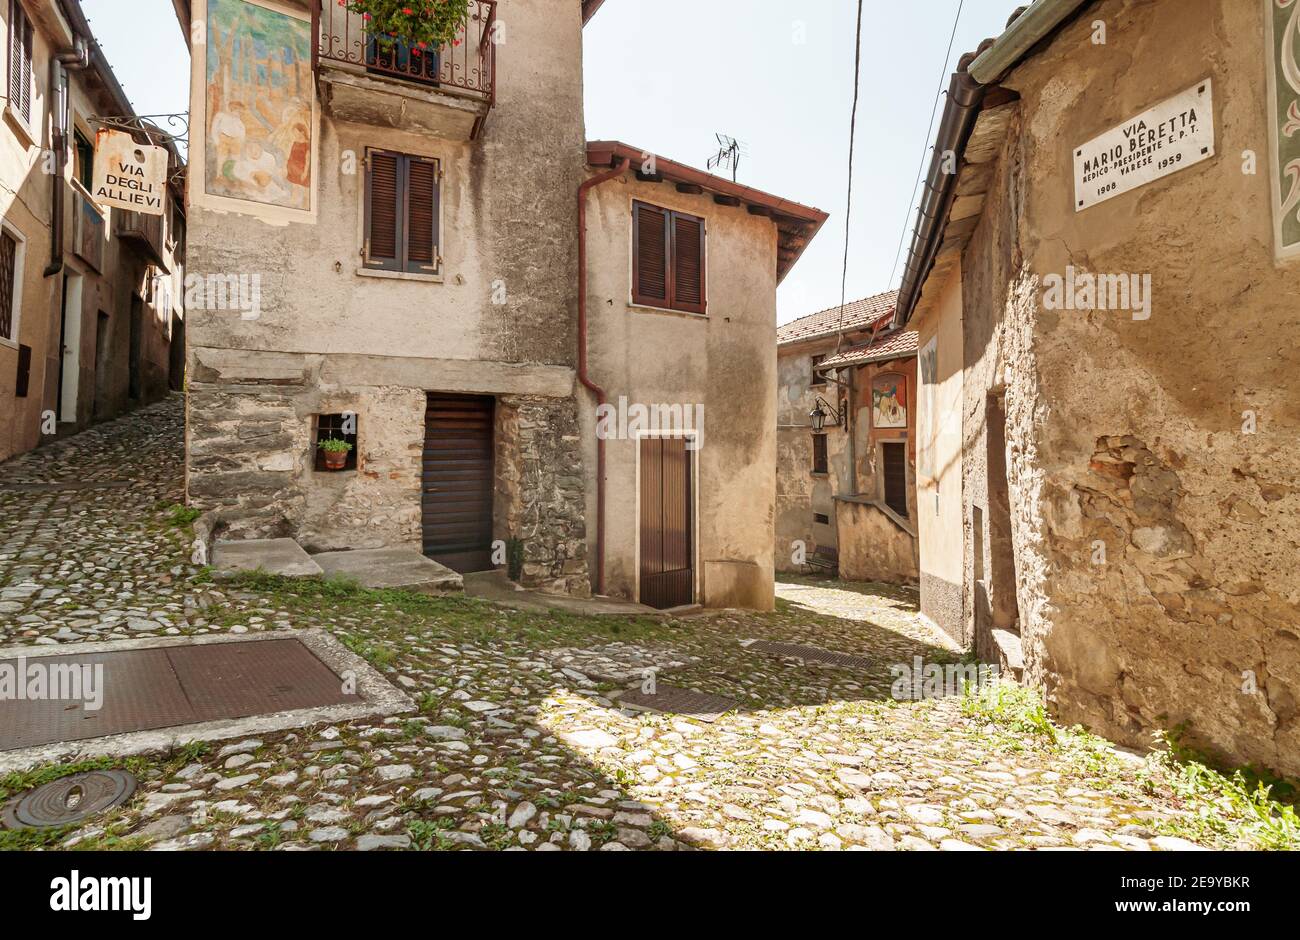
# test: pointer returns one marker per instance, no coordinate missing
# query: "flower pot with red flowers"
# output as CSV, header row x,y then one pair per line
x,y
405,35
335,452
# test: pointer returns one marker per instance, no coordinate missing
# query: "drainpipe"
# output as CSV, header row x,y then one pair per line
x,y
75,61
602,397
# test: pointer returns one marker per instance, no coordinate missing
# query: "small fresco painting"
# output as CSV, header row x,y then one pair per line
x,y
259,105
889,402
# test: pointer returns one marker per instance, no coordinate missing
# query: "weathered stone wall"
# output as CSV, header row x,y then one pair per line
x,y
1155,540
873,547
330,336
540,494
251,454
799,492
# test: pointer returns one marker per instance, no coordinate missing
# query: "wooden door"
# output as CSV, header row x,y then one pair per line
x,y
458,481
667,527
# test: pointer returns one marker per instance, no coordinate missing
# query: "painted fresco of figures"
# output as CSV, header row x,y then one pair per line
x,y
259,105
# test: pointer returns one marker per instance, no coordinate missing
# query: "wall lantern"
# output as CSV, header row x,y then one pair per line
x,y
821,412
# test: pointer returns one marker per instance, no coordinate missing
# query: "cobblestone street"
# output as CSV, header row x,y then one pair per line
x,y
516,743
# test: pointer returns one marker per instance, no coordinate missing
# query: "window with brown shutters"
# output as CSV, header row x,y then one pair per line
x,y
401,213
20,61
668,255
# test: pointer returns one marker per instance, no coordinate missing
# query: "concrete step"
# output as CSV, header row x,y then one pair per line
x,y
272,556
1011,656
400,568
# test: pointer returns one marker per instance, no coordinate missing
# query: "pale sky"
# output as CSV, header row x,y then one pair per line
x,y
666,75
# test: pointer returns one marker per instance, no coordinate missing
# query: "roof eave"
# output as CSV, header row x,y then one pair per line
x,y
976,73
605,153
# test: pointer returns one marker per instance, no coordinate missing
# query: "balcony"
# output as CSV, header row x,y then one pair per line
x,y
142,232
447,93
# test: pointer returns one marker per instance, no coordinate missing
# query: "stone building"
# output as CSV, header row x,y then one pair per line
x,y
846,494
1105,292
397,237
91,299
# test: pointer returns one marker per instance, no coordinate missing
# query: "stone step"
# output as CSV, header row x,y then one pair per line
x,y
272,556
400,568
1011,657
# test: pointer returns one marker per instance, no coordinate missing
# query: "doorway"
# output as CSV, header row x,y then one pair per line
x,y
457,481
667,529
70,347
134,386
998,576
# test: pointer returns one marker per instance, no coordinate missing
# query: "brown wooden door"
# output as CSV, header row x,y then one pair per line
x,y
667,549
457,490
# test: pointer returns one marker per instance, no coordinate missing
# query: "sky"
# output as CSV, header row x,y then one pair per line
x,y
668,75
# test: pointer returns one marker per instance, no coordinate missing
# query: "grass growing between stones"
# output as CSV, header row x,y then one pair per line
x,y
450,618
1226,809
109,829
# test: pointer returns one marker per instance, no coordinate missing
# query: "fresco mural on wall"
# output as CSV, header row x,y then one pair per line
x,y
1284,81
889,402
259,105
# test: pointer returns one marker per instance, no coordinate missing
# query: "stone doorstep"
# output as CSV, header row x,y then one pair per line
x,y
1010,652
274,556
403,568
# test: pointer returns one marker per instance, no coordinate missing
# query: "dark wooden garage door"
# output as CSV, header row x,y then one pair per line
x,y
457,496
667,563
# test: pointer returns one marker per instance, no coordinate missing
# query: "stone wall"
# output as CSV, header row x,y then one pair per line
x,y
540,495
1155,530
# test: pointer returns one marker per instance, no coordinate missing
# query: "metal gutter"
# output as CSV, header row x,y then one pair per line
x,y
976,74
1027,31
965,96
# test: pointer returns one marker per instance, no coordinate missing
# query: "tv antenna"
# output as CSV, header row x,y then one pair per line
x,y
729,153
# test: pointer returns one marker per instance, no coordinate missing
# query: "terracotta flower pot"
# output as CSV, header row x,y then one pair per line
x,y
335,459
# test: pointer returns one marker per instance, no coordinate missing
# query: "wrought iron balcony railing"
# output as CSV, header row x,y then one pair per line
x,y
465,68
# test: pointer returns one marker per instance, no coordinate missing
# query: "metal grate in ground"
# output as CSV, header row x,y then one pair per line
x,y
676,701
147,689
812,654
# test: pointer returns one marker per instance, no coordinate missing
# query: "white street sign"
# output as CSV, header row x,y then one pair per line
x,y
1172,136
129,175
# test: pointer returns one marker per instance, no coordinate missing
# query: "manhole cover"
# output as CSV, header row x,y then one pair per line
x,y
811,654
669,698
69,799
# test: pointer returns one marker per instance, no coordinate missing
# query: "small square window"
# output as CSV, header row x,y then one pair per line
x,y
338,427
818,379
821,518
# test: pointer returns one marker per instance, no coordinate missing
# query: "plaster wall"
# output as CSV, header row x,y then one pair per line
x,y
1155,528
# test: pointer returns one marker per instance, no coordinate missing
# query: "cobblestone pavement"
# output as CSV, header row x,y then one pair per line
x,y
518,742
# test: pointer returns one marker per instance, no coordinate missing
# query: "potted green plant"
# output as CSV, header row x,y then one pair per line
x,y
419,26
336,453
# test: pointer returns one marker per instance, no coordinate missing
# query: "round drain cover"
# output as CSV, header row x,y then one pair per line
x,y
69,799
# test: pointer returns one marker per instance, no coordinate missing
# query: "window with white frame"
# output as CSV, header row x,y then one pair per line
x,y
11,270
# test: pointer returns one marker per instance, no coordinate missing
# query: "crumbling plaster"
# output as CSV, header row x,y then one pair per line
x,y
1155,539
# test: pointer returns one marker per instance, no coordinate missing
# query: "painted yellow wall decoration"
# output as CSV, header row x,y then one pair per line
x,y
259,105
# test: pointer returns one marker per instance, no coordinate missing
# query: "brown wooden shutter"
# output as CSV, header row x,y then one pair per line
x,y
20,62
383,232
422,215
688,263
650,255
